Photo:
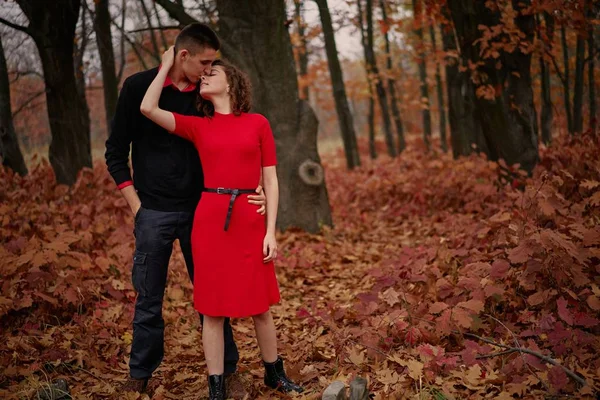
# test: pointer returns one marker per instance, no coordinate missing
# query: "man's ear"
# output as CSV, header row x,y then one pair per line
x,y
183,54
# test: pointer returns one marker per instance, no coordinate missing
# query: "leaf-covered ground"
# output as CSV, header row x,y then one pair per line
x,y
441,279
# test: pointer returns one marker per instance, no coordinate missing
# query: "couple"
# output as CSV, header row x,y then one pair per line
x,y
227,246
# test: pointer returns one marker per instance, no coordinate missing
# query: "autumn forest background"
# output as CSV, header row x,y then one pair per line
x,y
440,194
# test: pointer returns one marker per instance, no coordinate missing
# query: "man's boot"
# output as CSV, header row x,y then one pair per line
x,y
216,387
276,378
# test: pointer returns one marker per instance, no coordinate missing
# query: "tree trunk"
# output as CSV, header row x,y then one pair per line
x,y
52,27
546,113
507,120
392,85
440,92
371,122
10,152
107,59
371,114
566,86
423,74
303,53
578,87
339,89
373,70
265,53
591,78
465,131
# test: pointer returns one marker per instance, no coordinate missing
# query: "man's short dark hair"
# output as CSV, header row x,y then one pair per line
x,y
196,37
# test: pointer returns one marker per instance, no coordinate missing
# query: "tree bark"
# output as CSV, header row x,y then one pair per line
x,y
440,92
578,87
52,28
465,130
10,152
339,90
379,89
507,120
303,53
423,74
546,113
566,86
392,85
107,59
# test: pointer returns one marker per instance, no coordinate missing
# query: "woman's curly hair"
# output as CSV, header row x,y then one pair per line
x,y
240,91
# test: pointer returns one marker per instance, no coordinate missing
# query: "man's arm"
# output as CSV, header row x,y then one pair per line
x,y
117,149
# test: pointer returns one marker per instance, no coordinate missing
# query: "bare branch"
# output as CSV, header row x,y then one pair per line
x,y
156,28
27,102
15,26
542,357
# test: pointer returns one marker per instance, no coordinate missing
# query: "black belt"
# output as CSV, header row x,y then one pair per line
x,y
234,194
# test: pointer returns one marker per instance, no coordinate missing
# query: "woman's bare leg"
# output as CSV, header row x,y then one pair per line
x,y
214,347
266,336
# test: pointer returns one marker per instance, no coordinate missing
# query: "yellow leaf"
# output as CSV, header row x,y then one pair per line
x,y
127,338
356,357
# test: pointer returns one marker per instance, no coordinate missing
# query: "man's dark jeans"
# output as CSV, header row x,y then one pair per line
x,y
155,232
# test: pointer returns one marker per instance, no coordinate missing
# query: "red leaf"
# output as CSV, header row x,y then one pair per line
x,y
412,336
521,253
499,269
563,311
557,377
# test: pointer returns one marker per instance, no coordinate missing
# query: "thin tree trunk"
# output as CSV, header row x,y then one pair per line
x,y
591,78
578,88
156,54
339,90
303,53
107,59
371,114
440,92
380,90
371,122
10,152
392,85
52,27
423,74
79,68
546,113
566,86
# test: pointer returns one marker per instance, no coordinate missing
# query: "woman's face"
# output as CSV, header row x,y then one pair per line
x,y
214,83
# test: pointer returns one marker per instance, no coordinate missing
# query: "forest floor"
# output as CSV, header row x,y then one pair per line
x,y
441,279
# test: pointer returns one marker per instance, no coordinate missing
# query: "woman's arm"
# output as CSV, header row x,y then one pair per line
x,y
272,194
149,106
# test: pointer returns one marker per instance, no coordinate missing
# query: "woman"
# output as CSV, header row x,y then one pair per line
x,y
236,148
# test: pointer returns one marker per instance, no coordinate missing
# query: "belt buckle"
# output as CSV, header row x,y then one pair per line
x,y
220,190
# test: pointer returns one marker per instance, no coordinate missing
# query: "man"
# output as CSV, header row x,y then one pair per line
x,y
167,187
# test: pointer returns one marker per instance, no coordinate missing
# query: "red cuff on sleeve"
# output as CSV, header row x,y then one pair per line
x,y
125,184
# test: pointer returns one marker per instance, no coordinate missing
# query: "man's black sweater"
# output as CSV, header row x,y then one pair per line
x,y
167,174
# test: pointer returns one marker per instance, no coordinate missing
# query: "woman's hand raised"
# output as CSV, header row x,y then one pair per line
x,y
168,58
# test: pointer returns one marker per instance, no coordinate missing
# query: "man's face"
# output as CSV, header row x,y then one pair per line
x,y
197,65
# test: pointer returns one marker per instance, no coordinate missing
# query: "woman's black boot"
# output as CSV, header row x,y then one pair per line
x,y
216,387
276,378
